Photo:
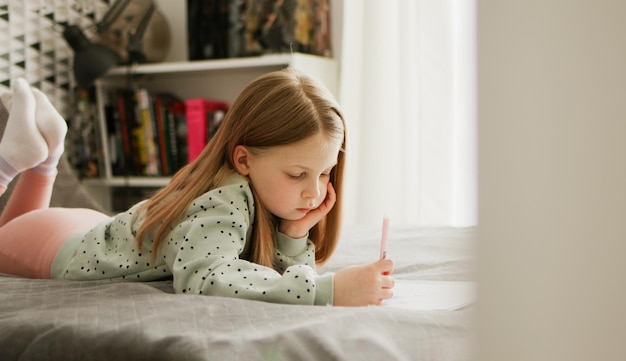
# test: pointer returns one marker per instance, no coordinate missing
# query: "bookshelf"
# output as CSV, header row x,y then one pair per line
x,y
220,79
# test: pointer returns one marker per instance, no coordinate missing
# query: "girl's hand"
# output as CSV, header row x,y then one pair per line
x,y
364,285
299,228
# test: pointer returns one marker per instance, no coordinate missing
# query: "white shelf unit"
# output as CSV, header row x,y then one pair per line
x,y
221,79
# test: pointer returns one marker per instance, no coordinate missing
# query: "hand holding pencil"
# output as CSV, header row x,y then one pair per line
x,y
367,284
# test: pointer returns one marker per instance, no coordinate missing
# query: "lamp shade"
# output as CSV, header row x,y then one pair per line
x,y
91,60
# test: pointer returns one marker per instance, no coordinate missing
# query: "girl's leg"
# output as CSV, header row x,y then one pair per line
x,y
32,191
29,243
22,146
43,123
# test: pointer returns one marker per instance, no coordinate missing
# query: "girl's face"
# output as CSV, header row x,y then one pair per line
x,y
290,180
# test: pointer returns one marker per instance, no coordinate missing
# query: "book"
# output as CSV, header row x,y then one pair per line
x,y
214,119
198,111
147,129
167,113
114,138
209,28
131,138
162,130
178,132
229,29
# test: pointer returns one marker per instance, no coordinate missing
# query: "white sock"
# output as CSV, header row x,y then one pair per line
x,y
53,128
22,146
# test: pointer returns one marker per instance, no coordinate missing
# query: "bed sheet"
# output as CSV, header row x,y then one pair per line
x,y
101,320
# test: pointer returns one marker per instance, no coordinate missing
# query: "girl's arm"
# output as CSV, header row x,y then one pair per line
x,y
353,286
204,250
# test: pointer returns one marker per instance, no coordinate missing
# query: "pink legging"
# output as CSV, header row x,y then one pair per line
x,y
31,233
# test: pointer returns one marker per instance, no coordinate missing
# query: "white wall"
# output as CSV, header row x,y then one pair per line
x,y
552,130
175,12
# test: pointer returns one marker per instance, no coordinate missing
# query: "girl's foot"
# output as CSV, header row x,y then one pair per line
x,y
22,146
53,128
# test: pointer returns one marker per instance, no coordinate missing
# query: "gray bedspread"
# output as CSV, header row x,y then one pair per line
x,y
103,320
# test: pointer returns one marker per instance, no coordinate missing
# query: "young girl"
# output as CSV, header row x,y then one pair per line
x,y
251,217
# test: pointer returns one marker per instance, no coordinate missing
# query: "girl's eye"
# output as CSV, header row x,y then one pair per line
x,y
297,176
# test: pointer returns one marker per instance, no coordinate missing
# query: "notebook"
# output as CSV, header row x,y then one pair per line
x,y
432,295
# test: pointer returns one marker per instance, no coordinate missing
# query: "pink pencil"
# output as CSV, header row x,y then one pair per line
x,y
383,240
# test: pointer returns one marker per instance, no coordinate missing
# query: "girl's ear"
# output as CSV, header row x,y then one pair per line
x,y
240,160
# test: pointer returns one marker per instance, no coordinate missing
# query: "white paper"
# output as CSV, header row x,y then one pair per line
x,y
432,295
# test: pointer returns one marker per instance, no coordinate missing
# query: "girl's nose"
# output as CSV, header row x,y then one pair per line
x,y
312,189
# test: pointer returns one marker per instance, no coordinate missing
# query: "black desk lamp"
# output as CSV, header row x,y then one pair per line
x,y
91,60
131,31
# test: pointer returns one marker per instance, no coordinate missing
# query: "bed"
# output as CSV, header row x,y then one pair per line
x,y
52,320
104,320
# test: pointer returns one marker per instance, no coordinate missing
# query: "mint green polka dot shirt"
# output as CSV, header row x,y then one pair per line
x,y
205,253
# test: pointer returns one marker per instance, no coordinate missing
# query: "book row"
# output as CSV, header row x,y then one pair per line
x,y
235,28
155,134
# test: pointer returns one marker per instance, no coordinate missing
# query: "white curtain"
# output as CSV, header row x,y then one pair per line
x,y
408,89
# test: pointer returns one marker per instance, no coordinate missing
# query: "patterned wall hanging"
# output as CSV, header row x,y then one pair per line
x,y
32,46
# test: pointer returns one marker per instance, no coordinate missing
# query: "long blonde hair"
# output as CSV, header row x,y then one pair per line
x,y
277,108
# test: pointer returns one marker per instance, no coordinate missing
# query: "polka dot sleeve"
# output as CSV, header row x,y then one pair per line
x,y
206,254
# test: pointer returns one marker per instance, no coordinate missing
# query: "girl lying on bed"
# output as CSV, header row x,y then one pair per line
x,y
250,217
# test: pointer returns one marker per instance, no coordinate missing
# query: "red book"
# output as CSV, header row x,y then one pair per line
x,y
197,111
